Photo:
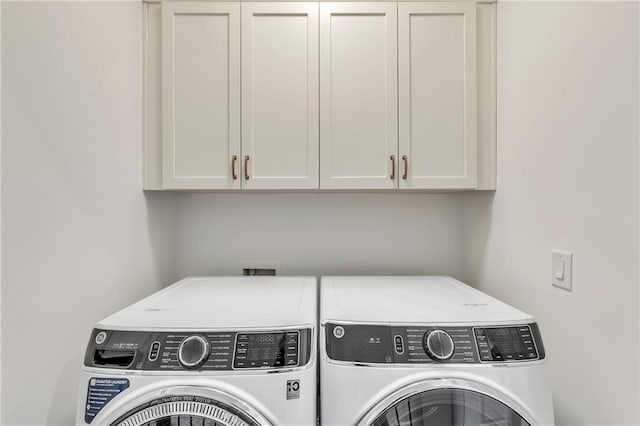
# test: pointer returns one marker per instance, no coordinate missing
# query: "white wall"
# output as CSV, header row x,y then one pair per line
x,y
0,212
320,234
80,239
568,179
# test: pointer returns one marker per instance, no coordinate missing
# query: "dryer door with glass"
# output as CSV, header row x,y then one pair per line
x,y
446,402
443,407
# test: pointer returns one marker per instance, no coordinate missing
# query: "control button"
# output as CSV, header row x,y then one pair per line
x,y
101,337
338,332
154,351
193,351
438,345
399,344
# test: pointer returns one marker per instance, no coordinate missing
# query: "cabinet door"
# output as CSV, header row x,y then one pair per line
x,y
201,95
280,133
358,95
437,95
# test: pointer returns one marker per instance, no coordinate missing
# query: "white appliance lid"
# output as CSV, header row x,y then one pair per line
x,y
405,299
223,303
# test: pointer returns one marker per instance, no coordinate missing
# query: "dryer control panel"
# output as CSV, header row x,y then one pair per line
x,y
199,350
427,344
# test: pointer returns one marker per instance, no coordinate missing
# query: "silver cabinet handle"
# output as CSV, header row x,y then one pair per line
x,y
393,167
406,167
234,158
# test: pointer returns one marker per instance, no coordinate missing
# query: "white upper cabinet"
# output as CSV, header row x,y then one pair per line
x,y
437,95
201,95
358,95
330,96
280,130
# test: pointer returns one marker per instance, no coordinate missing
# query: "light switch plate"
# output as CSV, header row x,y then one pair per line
x,y
562,269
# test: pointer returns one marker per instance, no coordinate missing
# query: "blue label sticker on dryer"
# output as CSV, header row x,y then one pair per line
x,y
100,392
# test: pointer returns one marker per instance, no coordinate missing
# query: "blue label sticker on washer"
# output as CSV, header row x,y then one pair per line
x,y
100,392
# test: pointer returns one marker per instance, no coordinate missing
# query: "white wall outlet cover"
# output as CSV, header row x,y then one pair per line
x,y
562,269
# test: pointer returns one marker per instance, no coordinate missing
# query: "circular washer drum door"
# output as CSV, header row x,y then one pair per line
x,y
449,407
184,410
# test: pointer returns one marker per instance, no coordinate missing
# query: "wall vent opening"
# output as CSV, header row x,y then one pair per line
x,y
258,272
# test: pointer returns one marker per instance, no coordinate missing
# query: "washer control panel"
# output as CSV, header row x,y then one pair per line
x,y
437,344
430,344
264,350
506,343
199,350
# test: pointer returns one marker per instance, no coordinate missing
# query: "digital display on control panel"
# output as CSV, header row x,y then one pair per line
x,y
263,350
505,344
265,339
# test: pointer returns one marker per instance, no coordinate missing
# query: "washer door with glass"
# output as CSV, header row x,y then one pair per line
x,y
183,410
449,407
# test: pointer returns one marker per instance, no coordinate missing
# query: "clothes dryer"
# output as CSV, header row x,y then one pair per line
x,y
223,351
427,351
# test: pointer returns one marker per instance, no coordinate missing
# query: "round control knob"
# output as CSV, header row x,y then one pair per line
x,y
438,345
193,351
101,337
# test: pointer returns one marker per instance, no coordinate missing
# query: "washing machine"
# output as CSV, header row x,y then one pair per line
x,y
427,351
223,351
